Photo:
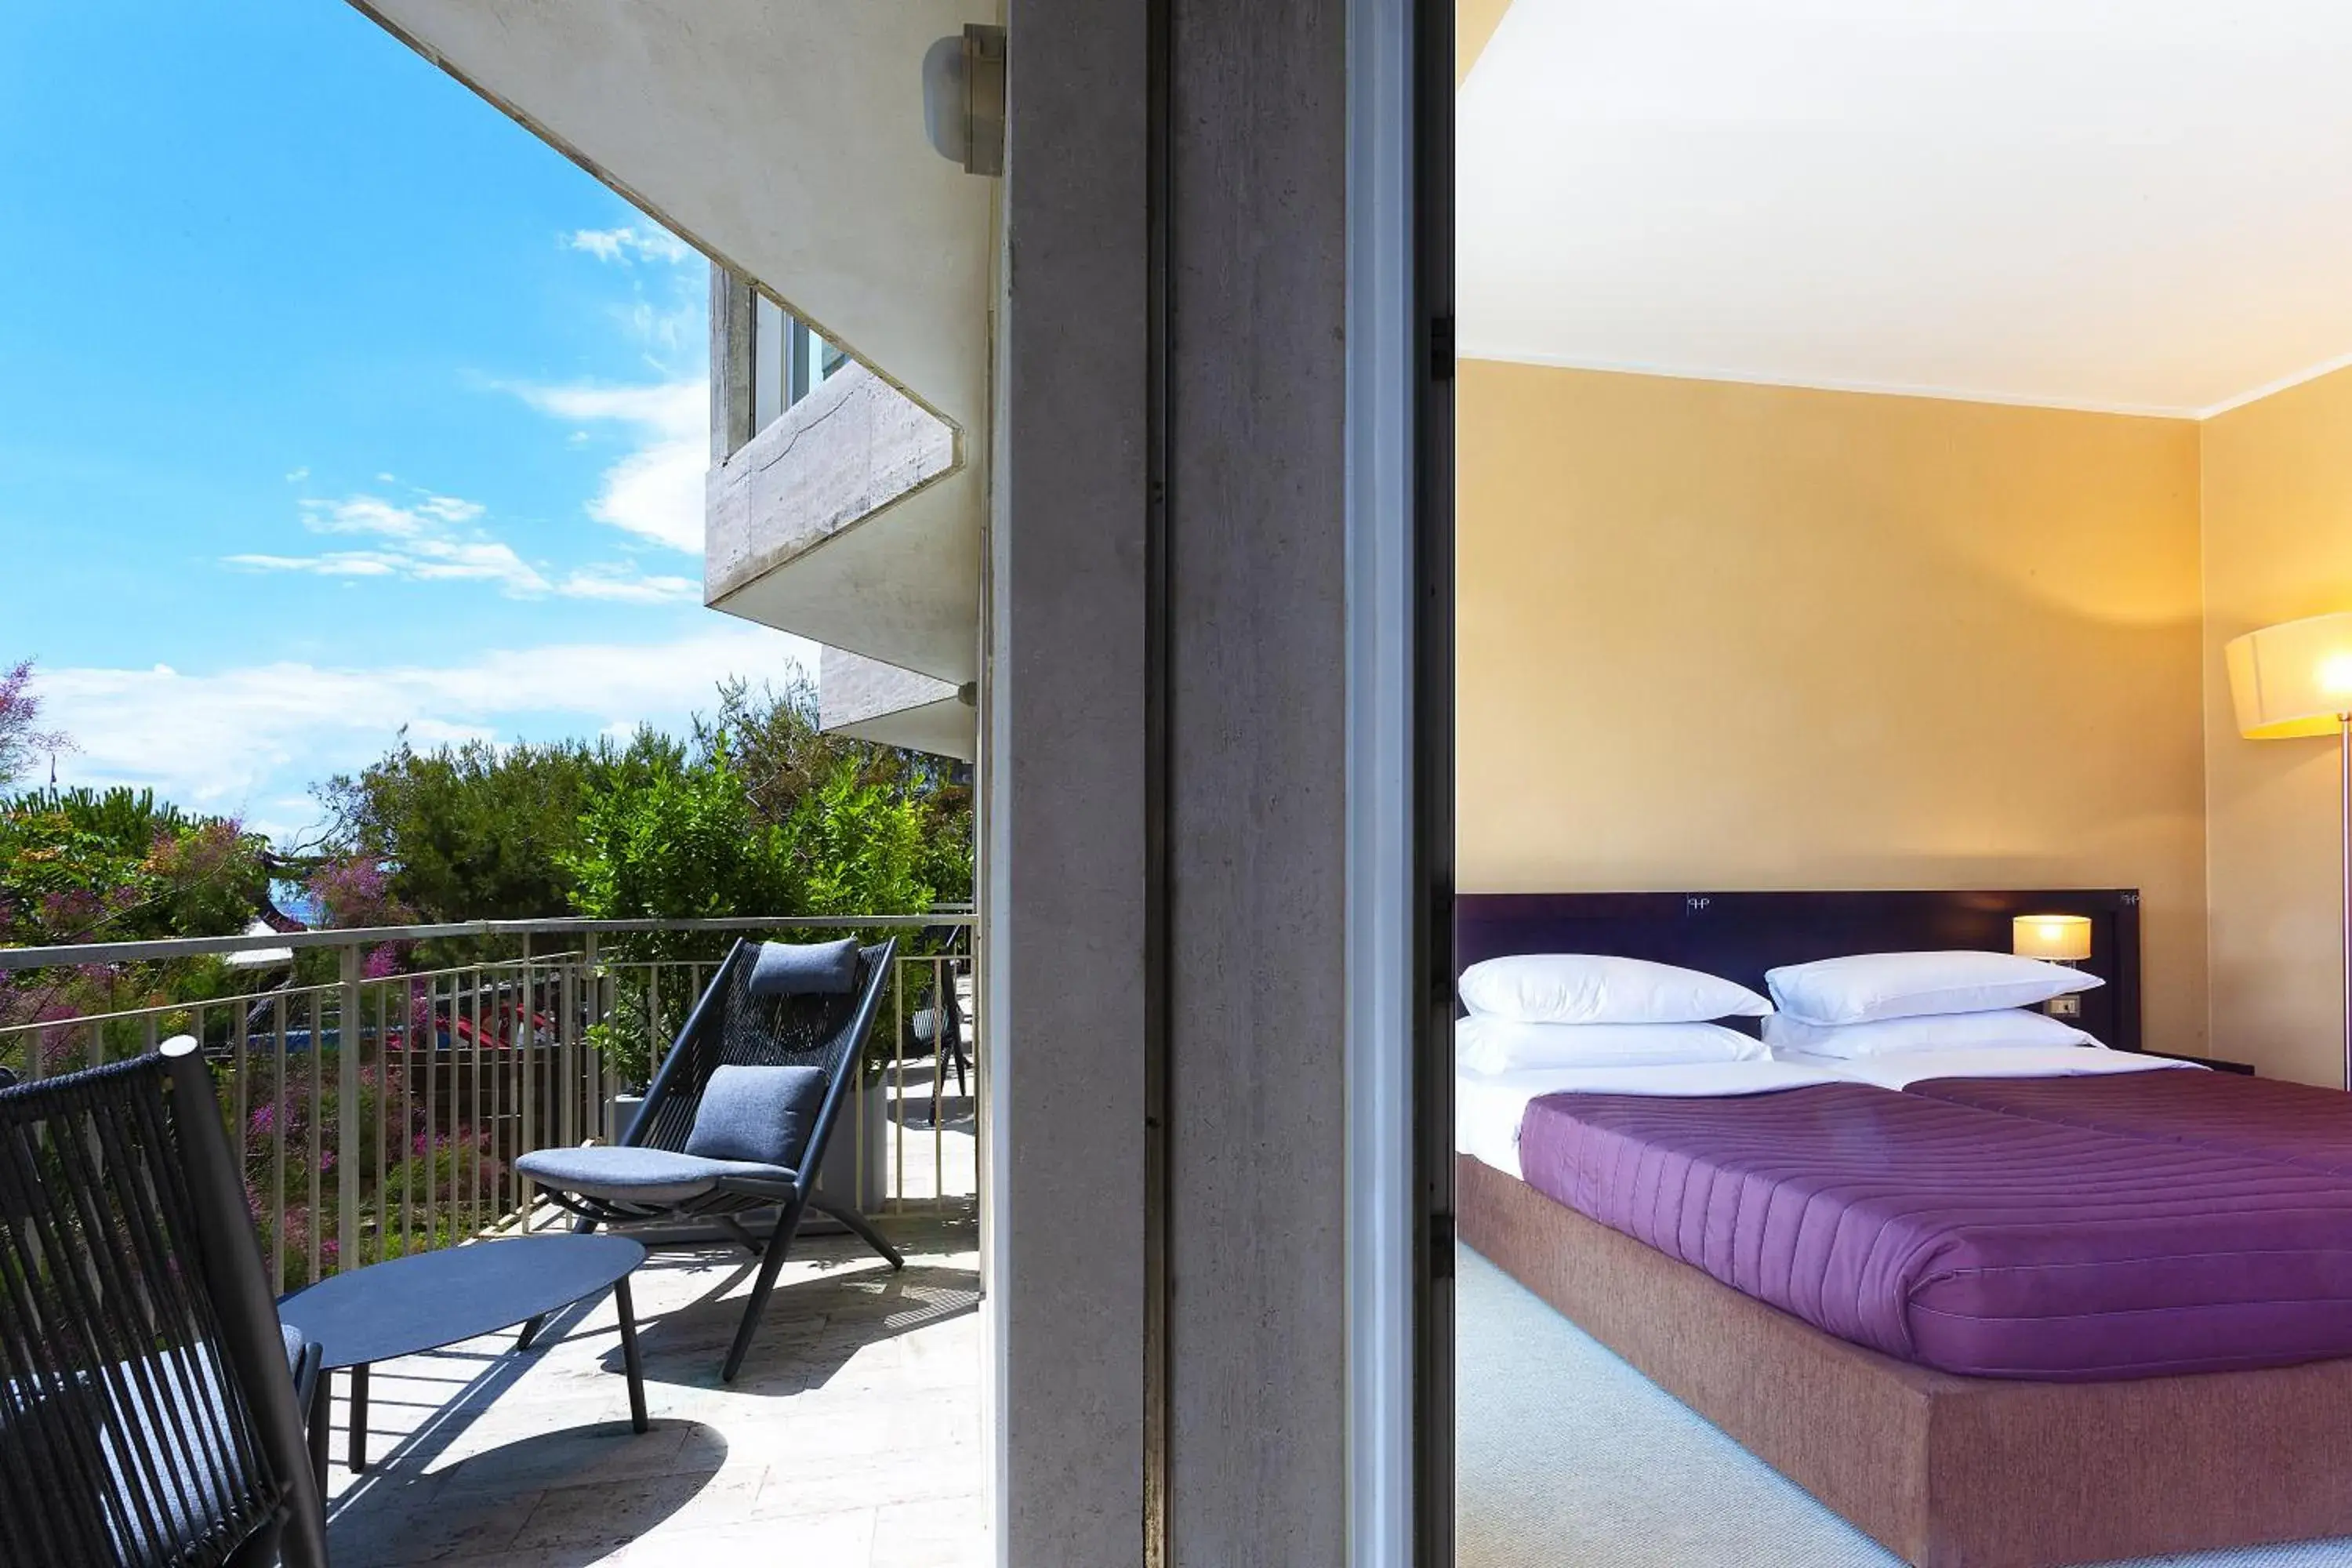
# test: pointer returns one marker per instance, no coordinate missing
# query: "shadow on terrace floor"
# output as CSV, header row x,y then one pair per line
x,y
850,1439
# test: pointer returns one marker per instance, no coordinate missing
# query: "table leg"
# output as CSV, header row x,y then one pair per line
x,y
629,1354
322,1402
359,1418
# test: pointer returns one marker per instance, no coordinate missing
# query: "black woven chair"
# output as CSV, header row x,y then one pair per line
x,y
147,1412
650,1178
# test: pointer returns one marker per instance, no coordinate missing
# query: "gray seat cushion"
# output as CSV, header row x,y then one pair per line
x,y
294,1346
653,1177
764,1114
805,969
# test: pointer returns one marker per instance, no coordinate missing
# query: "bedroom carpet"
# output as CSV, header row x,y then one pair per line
x,y
1570,1459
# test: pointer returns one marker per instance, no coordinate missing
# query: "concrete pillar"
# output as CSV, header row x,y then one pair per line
x,y
1066,771
1242,1459
1257,649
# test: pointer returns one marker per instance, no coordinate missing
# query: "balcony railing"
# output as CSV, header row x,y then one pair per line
x,y
382,1081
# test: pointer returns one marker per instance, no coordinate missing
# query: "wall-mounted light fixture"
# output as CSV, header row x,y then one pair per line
x,y
2292,680
963,98
2054,939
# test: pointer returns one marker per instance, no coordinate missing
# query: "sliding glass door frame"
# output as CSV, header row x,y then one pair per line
x,y
1400,900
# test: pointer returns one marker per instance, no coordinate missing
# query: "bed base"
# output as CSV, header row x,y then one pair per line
x,y
1944,1471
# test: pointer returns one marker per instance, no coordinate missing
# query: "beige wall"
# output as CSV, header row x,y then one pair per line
x,y
2278,544
1731,636
1474,22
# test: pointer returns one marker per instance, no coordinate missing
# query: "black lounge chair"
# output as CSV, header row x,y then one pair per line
x,y
147,1412
758,1141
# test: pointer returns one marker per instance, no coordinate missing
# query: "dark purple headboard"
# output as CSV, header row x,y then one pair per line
x,y
1740,935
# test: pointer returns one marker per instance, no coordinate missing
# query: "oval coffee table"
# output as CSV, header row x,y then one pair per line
x,y
406,1306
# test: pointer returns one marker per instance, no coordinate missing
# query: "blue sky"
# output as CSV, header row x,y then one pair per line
x,y
331,401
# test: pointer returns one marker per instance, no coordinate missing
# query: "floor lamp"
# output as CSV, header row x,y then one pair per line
x,y
2295,680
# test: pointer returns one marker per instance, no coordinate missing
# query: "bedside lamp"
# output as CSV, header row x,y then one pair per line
x,y
2294,680
2054,939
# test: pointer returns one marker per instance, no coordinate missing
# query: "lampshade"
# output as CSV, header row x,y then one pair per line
x,y
2292,679
2065,939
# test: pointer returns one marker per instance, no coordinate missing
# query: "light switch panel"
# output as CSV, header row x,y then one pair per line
x,y
2065,1006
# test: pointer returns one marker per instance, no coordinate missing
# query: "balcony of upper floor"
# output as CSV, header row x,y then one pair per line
x,y
798,144
839,508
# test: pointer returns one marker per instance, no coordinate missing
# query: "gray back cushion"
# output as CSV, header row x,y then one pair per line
x,y
761,1114
805,969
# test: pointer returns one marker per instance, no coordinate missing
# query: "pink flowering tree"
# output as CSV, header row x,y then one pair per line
x,y
22,742
351,891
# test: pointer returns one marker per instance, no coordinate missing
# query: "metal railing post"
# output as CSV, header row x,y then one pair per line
x,y
939,1086
897,1118
382,1117
316,1133
473,1211
592,1060
411,999
567,1026
527,1053
347,1118
433,1108
277,1152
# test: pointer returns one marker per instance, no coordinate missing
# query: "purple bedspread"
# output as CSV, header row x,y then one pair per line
x,y
2291,1122
1987,1244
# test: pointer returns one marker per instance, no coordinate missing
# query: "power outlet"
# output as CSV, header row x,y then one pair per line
x,y
2065,1006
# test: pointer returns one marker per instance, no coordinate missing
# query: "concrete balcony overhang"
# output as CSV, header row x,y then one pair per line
x,y
869,700
783,138
853,519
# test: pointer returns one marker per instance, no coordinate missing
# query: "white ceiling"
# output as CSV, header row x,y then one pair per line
x,y
2139,205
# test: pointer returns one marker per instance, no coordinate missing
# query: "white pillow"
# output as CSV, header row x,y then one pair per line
x,y
1482,1043
2005,1028
1585,988
1873,985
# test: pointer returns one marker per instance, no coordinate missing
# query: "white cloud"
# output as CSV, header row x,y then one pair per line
x,y
449,509
643,242
624,583
432,540
436,540
655,490
372,514
254,738
338,564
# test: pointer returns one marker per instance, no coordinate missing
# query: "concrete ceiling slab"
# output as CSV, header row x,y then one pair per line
x,y
783,137
2081,203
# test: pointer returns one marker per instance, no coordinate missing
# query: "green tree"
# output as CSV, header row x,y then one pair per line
x,y
483,832
788,765
857,847
79,866
769,817
682,846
